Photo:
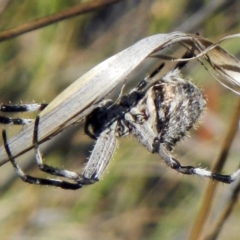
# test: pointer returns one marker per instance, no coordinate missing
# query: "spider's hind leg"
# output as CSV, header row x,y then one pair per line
x,y
175,164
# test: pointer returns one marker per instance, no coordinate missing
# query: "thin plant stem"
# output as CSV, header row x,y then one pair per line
x,y
45,21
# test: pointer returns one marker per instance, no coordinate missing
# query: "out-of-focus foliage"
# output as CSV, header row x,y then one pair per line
x,y
140,198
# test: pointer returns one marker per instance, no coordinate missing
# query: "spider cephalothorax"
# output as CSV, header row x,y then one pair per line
x,y
158,113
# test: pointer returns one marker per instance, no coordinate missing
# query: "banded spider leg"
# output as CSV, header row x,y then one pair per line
x,y
32,107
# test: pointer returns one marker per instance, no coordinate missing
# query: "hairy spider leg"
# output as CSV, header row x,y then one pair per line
x,y
189,170
101,155
32,107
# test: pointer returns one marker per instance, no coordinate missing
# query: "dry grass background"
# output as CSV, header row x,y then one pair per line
x,y
139,197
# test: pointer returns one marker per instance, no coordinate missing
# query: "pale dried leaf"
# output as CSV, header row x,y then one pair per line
x,y
225,67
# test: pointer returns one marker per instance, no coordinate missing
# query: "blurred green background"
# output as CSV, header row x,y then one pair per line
x,y
139,197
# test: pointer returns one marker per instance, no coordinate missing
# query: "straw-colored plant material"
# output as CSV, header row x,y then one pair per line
x,y
75,102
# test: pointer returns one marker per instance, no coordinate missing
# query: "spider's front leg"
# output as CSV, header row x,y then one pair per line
x,y
101,155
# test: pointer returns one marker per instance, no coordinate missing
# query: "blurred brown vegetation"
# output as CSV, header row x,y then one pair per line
x,y
139,197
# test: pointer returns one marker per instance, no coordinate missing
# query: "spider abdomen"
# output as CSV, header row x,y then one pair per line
x,y
181,106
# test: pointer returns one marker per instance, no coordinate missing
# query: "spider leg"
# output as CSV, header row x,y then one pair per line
x,y
19,108
146,82
44,167
100,157
142,122
35,180
175,164
96,165
31,107
15,121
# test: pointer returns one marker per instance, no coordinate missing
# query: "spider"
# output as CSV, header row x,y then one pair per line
x,y
158,113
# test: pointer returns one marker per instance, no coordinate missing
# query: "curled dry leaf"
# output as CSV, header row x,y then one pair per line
x,y
225,67
76,101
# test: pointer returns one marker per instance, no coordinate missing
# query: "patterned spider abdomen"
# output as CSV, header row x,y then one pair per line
x,y
168,110
179,104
